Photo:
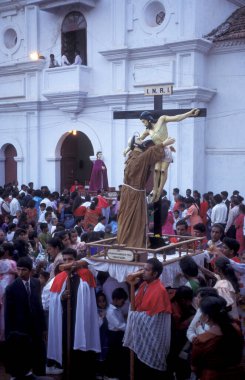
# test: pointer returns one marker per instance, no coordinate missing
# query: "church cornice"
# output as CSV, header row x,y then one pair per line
x,y
180,95
77,102
199,45
52,5
11,5
22,67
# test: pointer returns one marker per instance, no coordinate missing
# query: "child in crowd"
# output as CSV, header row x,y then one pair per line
x,y
42,210
5,225
104,339
77,244
43,278
11,230
199,230
176,216
117,360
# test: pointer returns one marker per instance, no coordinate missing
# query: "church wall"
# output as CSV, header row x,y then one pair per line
x,y
225,127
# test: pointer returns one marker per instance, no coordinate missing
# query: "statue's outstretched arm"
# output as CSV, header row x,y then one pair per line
x,y
194,112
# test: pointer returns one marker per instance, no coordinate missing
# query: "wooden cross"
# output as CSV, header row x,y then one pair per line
x,y
157,92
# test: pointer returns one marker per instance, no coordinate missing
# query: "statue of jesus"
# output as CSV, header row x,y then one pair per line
x,y
158,132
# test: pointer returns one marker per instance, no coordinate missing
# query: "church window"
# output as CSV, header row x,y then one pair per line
x,y
154,14
10,38
74,36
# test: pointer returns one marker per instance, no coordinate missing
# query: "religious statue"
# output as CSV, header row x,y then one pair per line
x,y
158,132
132,220
98,179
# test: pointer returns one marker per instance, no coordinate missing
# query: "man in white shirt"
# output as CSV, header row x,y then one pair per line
x,y
14,204
78,59
230,229
64,60
100,226
219,211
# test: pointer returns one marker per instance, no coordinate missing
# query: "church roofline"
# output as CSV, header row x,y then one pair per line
x,y
233,28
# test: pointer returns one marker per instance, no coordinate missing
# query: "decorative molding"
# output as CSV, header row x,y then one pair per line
x,y
72,101
199,45
225,151
192,94
11,5
19,159
53,159
22,67
52,5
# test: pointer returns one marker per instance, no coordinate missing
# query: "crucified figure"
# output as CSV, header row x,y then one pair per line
x,y
158,132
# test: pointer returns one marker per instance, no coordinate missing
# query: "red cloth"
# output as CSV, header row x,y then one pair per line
x,y
83,273
152,298
76,188
203,211
102,202
80,211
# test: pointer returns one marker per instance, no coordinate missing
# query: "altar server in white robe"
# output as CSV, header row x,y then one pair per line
x,y
79,291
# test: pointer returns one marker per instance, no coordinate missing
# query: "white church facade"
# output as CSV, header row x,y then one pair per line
x,y
54,120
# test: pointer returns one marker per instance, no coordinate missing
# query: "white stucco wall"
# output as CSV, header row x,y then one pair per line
x,y
124,54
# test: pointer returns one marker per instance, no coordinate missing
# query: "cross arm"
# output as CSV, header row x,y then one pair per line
x,y
156,114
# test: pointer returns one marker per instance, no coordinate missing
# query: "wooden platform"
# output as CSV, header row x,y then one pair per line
x,y
120,261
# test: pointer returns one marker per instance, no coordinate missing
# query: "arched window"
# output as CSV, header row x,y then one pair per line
x,y
74,36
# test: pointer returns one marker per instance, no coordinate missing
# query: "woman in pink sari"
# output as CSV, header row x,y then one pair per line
x,y
167,218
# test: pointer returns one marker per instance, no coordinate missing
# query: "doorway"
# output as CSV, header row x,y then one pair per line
x,y
75,161
10,164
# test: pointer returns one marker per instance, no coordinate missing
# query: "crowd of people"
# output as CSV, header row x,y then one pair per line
x,y
72,318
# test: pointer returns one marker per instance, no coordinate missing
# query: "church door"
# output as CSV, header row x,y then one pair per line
x,y
10,164
75,161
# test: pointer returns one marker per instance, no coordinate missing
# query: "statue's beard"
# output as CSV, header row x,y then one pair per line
x,y
149,125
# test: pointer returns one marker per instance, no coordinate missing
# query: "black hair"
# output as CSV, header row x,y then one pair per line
x,y
225,193
119,294
70,251
207,291
217,225
25,262
156,266
94,203
100,293
199,227
182,222
43,225
188,266
231,244
217,198
222,263
183,292
146,115
7,247
55,242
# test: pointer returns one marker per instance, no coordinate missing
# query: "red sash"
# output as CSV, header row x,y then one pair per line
x,y
83,273
152,298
